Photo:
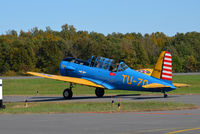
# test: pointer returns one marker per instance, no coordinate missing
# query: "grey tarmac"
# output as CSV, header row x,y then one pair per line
x,y
160,122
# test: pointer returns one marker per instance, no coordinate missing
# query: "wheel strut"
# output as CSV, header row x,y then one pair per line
x,y
71,86
165,95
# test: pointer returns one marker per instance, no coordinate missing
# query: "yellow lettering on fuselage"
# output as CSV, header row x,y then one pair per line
x,y
140,81
145,82
129,82
126,80
124,77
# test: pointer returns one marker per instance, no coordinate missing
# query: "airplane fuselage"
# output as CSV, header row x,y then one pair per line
x,y
127,79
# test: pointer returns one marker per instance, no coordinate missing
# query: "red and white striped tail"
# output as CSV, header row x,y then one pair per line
x,y
167,67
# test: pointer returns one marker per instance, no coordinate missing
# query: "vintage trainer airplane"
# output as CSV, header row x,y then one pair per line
x,y
103,73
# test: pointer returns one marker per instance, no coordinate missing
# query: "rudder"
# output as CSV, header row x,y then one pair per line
x,y
163,67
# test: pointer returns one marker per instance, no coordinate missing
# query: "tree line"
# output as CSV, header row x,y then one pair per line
x,y
42,50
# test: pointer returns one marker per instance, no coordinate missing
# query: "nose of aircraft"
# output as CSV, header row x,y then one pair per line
x,y
64,68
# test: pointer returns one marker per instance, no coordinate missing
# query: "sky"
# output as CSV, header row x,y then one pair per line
x,y
102,16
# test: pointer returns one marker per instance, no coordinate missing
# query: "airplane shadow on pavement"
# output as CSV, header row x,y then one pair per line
x,y
152,97
127,97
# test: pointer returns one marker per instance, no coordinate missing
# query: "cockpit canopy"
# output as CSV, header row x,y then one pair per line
x,y
100,62
107,64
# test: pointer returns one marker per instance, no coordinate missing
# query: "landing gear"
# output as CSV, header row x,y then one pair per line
x,y
99,92
165,95
67,93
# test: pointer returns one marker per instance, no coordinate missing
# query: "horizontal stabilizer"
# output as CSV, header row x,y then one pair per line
x,y
155,85
68,79
180,85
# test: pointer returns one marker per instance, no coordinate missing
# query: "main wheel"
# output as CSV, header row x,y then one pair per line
x,y
99,92
67,94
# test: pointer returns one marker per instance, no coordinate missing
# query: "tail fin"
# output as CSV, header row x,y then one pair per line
x,y
163,67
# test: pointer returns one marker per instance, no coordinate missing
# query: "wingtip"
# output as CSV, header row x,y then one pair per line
x,y
28,72
181,85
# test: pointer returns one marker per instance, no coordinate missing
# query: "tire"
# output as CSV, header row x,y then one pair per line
x,y
67,94
99,92
165,95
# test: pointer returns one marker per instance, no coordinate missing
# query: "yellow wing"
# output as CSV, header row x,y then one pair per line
x,y
180,85
68,79
155,85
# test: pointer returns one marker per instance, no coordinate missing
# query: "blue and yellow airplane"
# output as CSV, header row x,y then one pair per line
x,y
103,73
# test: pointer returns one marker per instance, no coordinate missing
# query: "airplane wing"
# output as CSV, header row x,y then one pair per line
x,y
180,85
155,85
67,79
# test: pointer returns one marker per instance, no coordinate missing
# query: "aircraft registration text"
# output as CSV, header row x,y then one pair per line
x,y
127,79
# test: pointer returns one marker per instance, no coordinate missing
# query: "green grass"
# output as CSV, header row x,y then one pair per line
x,y
84,107
53,87
192,80
47,87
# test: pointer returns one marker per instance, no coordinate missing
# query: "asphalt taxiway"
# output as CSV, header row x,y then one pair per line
x,y
160,122
169,122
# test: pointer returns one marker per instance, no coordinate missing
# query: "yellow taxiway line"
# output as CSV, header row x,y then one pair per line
x,y
183,130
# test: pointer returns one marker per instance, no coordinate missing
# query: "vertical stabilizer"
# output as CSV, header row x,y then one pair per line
x,y
163,67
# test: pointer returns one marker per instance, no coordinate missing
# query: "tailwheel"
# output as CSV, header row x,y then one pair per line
x,y
99,92
67,93
165,95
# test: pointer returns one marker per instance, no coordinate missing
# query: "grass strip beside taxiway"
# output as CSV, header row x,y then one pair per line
x,y
91,107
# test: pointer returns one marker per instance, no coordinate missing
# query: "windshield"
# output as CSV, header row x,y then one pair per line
x,y
122,67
